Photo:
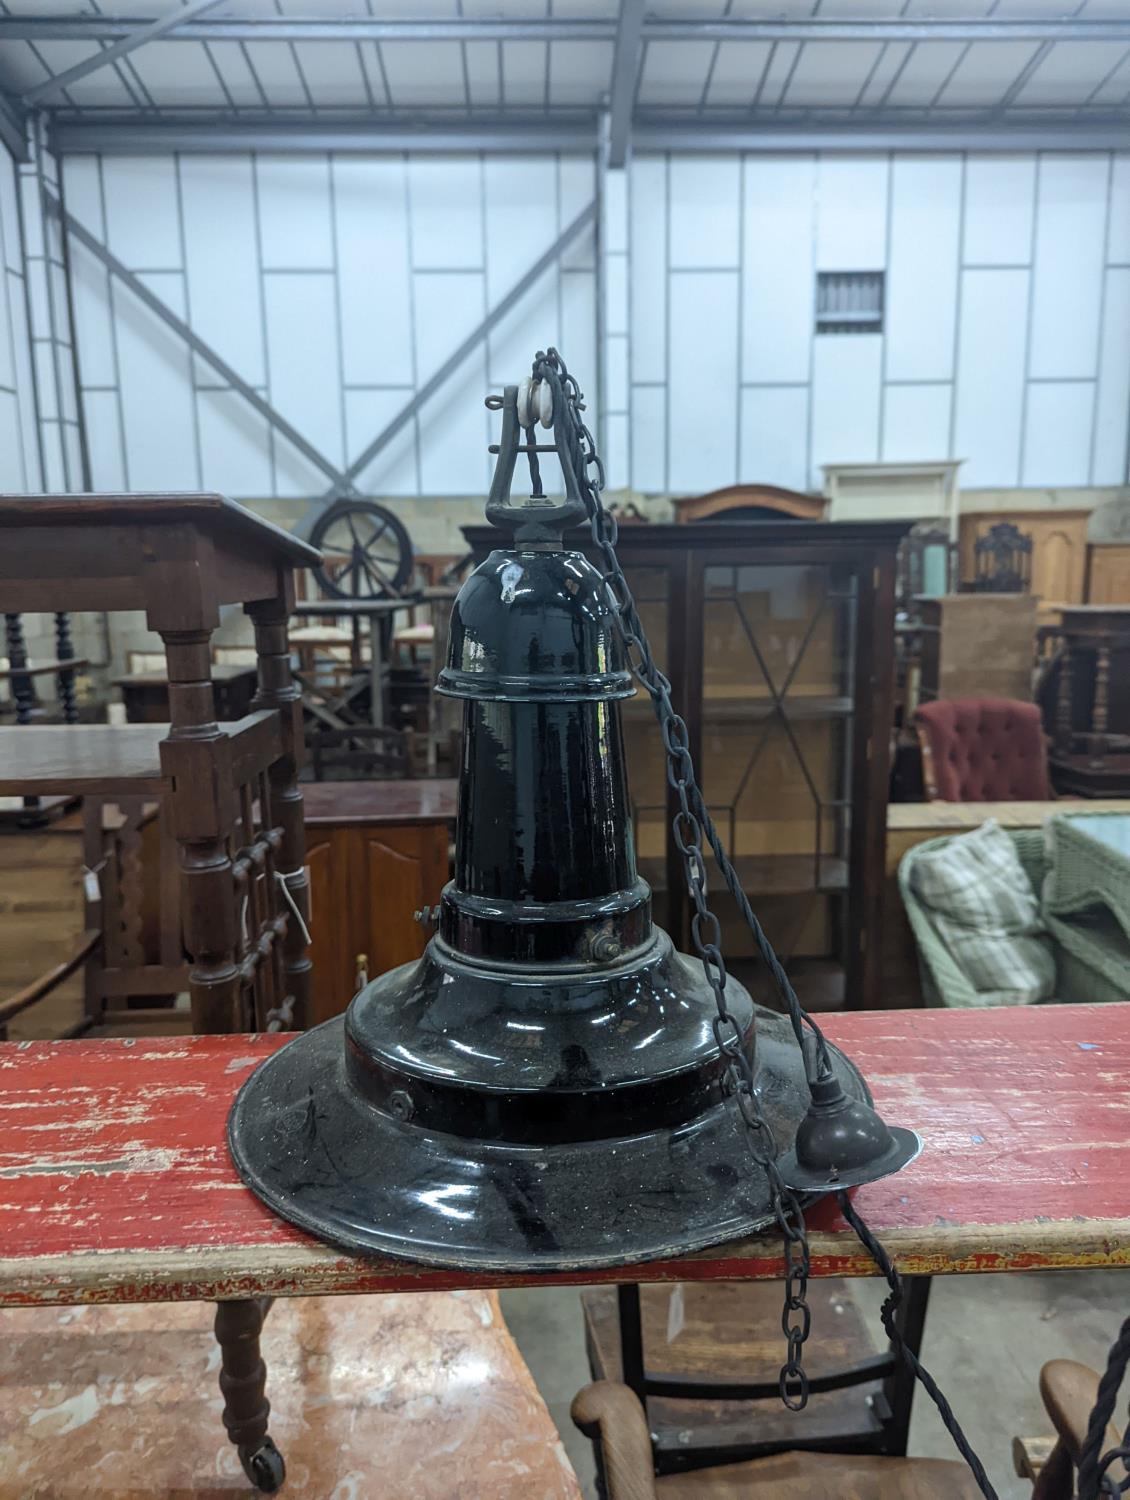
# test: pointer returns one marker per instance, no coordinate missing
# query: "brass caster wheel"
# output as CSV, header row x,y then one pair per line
x,y
264,1466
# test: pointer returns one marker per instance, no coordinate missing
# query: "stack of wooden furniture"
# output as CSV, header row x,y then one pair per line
x,y
1087,706
778,638
230,790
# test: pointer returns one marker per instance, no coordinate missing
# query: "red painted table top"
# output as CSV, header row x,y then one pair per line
x,y
115,1183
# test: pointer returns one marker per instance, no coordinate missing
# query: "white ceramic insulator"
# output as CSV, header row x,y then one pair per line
x,y
526,405
545,403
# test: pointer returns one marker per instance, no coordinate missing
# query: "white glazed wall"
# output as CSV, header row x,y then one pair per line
x,y
337,285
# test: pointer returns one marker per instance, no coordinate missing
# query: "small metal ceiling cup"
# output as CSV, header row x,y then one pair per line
x,y
843,1142
544,1089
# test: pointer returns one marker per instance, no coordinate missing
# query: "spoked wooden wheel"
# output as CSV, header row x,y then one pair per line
x,y
366,552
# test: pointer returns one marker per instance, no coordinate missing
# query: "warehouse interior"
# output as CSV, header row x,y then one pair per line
x,y
817,313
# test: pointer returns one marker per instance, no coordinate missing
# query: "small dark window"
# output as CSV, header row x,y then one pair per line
x,y
849,301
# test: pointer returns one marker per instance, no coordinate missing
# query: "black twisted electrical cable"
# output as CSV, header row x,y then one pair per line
x,y
1093,1469
906,1354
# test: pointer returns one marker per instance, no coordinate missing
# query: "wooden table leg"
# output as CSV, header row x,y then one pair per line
x,y
243,1381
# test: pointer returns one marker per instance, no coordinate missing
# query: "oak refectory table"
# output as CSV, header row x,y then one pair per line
x,y
115,1182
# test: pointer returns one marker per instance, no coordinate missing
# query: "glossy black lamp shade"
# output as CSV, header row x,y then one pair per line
x,y
542,1090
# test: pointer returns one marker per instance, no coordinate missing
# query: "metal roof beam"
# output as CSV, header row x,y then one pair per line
x,y
732,28
584,220
141,136
625,74
1105,130
148,32
13,128
194,341
1057,135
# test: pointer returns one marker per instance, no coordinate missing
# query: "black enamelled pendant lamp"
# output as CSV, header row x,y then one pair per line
x,y
545,1088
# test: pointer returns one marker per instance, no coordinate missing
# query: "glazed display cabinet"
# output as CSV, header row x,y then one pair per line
x,y
778,638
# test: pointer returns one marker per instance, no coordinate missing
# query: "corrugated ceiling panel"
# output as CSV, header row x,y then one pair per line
x,y
274,66
1027,10
133,8
583,10
831,73
484,78
46,7
422,10
893,57
238,79
950,10
777,73
698,10
333,75
332,9
524,74
579,72
737,72
507,10
985,72
1068,74
1115,89
848,10
674,72
103,87
424,73
926,70
20,69
178,73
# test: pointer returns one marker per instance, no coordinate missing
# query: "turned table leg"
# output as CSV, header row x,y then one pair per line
x,y
243,1381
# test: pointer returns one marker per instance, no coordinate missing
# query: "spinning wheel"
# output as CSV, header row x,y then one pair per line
x,y
366,552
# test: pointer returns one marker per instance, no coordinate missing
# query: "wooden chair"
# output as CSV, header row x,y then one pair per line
x,y
982,750
363,749
705,1357
1003,559
1069,1390
610,1415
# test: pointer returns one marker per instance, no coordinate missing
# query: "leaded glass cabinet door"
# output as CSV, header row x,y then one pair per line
x,y
652,588
777,735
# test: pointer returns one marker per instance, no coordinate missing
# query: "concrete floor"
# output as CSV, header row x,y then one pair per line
x,y
986,1338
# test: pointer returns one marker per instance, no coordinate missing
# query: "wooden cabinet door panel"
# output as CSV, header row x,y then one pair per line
x,y
405,870
327,862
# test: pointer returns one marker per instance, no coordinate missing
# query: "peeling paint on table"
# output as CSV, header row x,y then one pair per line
x,y
115,1182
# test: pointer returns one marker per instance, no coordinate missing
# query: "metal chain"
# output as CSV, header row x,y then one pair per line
x,y
692,823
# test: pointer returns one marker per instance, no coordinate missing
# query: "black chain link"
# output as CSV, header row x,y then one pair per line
x,y
691,825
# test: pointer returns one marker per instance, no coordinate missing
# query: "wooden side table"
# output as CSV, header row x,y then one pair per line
x,y
146,694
